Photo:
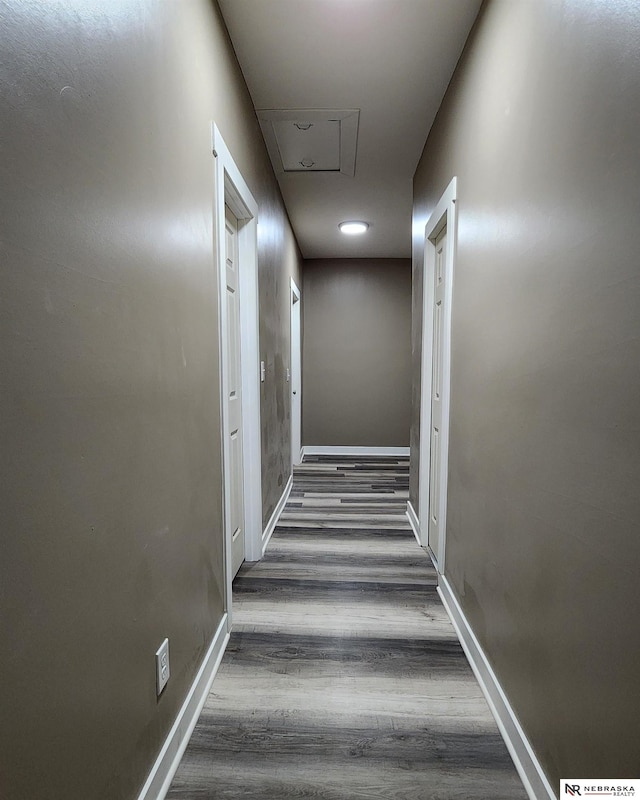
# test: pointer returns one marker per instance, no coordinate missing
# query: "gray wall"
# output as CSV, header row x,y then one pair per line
x,y
109,407
279,261
357,352
541,124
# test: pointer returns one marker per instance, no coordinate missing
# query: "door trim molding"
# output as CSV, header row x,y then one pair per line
x,y
159,780
443,214
294,291
232,190
523,755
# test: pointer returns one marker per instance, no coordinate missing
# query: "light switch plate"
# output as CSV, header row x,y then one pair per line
x,y
262,371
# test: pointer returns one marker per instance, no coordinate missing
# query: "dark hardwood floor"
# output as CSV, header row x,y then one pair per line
x,y
343,678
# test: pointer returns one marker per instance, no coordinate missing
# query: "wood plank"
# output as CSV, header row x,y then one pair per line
x,y
343,678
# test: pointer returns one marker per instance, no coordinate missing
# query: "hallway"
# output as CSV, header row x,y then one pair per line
x,y
485,322
343,677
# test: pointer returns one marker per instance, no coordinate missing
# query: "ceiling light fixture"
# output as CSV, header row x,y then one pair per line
x,y
352,227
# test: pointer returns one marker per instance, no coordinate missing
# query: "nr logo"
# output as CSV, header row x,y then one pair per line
x,y
572,789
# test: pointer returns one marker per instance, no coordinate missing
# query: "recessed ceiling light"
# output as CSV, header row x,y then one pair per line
x,y
353,227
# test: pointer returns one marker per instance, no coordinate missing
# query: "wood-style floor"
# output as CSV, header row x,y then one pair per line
x,y
343,678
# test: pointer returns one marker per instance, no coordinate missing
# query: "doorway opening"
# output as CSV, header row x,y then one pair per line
x,y
296,377
437,298
235,227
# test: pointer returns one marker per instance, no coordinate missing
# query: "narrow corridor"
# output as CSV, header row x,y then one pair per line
x,y
343,677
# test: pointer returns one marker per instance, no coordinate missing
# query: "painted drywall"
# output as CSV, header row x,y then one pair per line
x,y
279,261
541,124
109,407
356,352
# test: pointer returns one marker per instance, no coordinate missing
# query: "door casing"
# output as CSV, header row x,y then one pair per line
x,y
443,215
232,190
296,375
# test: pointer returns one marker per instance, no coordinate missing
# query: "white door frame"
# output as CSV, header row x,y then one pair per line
x,y
232,190
296,373
443,214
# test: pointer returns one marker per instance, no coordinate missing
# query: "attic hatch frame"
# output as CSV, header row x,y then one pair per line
x,y
349,119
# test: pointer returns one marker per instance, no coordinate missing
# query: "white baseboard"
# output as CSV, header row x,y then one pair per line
x,y
414,521
271,525
525,760
161,775
355,451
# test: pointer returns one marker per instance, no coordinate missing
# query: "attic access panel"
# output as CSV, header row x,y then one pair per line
x,y
304,145
311,140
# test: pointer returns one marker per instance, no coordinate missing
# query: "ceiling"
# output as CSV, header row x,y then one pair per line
x,y
389,60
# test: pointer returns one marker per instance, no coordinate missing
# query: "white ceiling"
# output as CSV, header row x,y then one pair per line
x,y
393,60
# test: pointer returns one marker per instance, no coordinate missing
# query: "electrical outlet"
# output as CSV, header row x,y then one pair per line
x,y
162,666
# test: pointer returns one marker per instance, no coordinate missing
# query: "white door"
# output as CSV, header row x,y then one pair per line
x,y
233,399
436,466
296,376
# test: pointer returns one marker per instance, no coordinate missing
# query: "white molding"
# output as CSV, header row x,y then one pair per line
x,y
443,214
273,521
414,521
159,780
525,760
231,189
309,450
295,371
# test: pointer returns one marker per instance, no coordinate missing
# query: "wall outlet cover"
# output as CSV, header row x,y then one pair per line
x,y
163,671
